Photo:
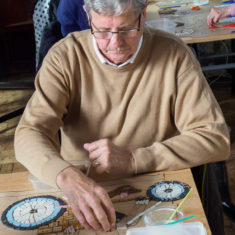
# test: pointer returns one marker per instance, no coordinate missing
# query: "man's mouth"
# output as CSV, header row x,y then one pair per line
x,y
116,50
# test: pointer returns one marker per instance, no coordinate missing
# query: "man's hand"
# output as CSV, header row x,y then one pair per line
x,y
216,14
109,158
90,203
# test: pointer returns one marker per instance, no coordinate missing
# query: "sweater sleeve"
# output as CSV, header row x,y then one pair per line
x,y
36,137
203,136
232,9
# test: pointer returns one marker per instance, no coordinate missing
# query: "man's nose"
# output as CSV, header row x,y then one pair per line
x,y
116,39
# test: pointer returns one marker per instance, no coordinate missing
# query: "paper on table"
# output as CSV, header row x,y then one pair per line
x,y
192,228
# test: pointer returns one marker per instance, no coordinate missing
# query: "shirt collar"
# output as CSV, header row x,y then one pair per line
x,y
103,60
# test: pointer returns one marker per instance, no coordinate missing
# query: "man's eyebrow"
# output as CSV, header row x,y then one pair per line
x,y
101,28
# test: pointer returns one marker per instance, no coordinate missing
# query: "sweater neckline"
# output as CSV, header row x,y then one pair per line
x,y
143,50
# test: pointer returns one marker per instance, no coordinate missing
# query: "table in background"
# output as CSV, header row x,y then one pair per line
x,y
196,21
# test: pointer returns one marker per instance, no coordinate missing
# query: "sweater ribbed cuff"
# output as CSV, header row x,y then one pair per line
x,y
52,169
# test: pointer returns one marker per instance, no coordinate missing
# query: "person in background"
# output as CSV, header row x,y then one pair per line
x,y
72,17
64,17
127,98
218,13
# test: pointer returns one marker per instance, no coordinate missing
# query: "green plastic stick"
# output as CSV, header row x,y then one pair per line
x,y
174,212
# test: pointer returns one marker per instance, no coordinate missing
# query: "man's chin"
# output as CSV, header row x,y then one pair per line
x,y
117,58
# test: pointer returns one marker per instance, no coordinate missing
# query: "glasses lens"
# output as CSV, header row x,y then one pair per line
x,y
102,35
128,34
123,34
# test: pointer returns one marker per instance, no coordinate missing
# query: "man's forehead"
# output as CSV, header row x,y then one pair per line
x,y
118,20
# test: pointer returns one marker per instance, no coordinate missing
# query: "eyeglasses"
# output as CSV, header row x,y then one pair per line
x,y
129,33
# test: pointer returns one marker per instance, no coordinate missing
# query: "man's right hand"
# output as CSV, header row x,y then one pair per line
x,y
89,202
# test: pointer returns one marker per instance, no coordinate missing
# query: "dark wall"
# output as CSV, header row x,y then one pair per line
x,y
15,11
17,45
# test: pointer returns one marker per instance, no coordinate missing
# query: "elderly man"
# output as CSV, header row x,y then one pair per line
x,y
130,99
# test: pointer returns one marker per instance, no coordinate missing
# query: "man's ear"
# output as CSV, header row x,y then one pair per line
x,y
84,8
144,11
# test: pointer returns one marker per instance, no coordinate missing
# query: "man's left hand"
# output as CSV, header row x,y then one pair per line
x,y
109,158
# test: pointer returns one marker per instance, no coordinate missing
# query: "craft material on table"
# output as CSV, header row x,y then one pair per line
x,y
128,189
170,218
229,25
167,191
31,213
173,3
191,228
67,221
227,2
181,220
143,213
227,20
161,214
167,11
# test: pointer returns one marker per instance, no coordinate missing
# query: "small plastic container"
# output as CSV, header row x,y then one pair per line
x,y
37,184
163,24
191,228
160,215
200,2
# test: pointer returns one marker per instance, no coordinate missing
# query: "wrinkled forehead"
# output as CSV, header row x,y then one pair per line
x,y
126,18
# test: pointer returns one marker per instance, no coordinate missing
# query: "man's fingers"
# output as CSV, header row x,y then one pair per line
x,y
89,147
96,144
98,216
91,218
109,209
94,155
80,217
102,218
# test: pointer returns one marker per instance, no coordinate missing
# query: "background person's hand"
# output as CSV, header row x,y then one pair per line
x,y
89,202
216,14
108,158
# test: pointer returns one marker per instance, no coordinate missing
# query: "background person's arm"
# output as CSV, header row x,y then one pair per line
x,y
218,13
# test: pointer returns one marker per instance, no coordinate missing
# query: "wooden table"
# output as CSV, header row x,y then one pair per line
x,y
191,206
196,22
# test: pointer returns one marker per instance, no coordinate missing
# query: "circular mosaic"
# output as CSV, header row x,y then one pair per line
x,y
167,191
31,213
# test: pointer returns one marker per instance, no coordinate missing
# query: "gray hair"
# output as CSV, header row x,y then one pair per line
x,y
114,7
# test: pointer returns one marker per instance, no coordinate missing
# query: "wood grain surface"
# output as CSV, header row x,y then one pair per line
x,y
18,182
10,100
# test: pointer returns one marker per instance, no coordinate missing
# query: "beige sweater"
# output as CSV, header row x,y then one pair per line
x,y
160,108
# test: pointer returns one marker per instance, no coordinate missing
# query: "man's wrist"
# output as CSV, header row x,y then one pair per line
x,y
132,164
64,175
